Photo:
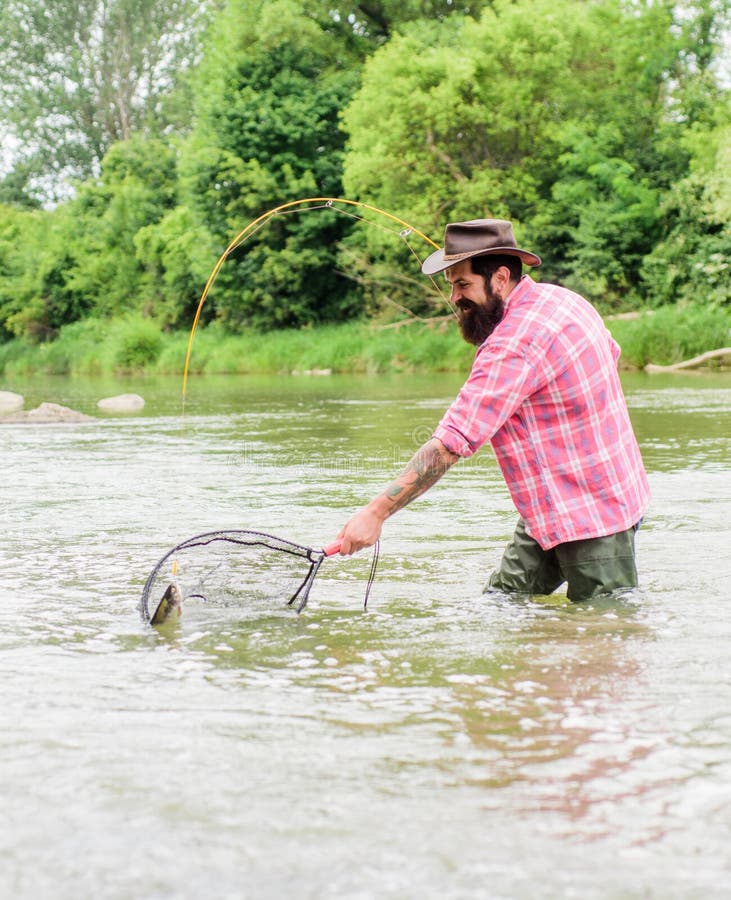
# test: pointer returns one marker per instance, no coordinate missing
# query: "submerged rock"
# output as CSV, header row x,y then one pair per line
x,y
10,402
122,403
47,413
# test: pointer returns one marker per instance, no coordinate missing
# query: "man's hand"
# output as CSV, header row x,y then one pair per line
x,y
426,467
363,530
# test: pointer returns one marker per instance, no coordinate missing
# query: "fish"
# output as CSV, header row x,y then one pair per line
x,y
171,604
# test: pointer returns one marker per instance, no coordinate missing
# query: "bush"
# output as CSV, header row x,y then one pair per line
x,y
671,334
139,343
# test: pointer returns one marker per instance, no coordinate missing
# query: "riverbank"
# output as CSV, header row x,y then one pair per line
x,y
135,345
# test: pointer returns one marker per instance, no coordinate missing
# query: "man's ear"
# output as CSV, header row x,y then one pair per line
x,y
502,280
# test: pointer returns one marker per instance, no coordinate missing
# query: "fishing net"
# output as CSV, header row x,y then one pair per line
x,y
236,568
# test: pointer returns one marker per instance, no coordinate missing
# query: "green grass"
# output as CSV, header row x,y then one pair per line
x,y
349,348
134,344
671,334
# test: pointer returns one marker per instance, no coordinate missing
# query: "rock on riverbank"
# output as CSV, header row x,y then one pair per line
x,y
10,402
11,409
47,413
122,403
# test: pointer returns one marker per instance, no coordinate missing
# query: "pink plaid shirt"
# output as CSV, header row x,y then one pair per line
x,y
544,390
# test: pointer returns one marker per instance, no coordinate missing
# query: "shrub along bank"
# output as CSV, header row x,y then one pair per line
x,y
134,344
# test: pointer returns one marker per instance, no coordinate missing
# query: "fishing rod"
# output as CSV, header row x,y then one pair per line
x,y
291,206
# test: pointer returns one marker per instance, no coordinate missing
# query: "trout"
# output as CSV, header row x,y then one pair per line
x,y
171,604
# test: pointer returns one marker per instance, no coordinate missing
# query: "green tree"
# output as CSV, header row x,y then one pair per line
x,y
621,175
176,254
690,261
81,259
469,112
36,254
76,77
268,102
563,116
137,188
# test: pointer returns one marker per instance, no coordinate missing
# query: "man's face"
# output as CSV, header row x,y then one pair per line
x,y
479,307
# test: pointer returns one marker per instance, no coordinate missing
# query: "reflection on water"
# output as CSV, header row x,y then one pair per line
x,y
443,744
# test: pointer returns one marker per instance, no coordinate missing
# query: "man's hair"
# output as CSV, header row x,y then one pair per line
x,y
487,265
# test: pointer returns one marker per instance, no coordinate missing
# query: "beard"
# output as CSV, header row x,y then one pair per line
x,y
477,322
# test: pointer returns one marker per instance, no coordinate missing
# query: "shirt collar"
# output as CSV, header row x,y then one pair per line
x,y
519,291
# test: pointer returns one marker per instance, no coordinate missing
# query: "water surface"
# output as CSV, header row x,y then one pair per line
x,y
437,745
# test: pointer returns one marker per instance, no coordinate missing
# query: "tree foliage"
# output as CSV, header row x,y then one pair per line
x,y
692,259
377,20
569,125
601,129
76,77
81,258
268,130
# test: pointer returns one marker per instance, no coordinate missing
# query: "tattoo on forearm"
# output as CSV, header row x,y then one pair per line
x,y
425,468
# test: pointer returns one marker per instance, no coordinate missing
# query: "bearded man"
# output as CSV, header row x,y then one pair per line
x,y
545,392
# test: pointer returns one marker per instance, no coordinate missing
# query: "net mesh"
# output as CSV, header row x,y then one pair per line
x,y
236,568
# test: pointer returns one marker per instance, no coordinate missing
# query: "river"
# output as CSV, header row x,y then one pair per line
x,y
438,745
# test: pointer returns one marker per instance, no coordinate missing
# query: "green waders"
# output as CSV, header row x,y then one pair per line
x,y
590,568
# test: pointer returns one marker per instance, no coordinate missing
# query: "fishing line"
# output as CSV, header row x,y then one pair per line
x,y
447,299
403,234
293,206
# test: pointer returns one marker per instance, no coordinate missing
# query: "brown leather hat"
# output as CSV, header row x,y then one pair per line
x,y
479,237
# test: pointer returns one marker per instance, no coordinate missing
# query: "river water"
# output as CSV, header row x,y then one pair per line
x,y
439,745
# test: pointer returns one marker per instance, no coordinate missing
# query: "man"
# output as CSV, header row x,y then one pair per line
x,y
544,391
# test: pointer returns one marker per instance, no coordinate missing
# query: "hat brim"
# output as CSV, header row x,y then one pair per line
x,y
438,262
